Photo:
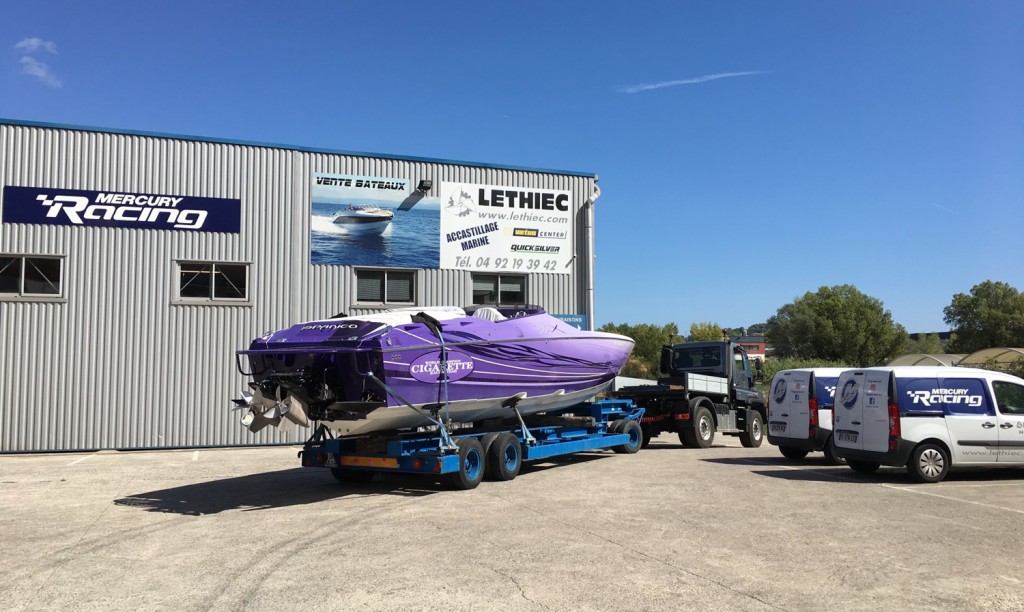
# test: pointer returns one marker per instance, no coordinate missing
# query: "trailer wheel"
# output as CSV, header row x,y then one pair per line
x,y
352,476
831,457
863,467
505,457
792,453
471,465
486,441
751,437
615,427
703,428
636,438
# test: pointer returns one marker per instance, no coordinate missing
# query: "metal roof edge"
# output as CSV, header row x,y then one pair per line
x,y
270,145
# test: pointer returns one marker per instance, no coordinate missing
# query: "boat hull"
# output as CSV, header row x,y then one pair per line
x,y
358,376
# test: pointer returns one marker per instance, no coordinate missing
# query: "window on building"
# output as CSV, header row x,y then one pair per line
x,y
199,280
499,289
30,276
385,286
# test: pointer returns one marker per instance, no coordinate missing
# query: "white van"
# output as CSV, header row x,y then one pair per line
x,y
929,419
800,412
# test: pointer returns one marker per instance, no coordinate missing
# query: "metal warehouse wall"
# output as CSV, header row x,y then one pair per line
x,y
117,364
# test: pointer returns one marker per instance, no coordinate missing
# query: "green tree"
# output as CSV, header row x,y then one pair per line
x,y
836,324
705,332
928,344
649,338
992,315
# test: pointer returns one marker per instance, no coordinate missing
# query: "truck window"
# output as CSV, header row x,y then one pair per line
x,y
697,357
1009,397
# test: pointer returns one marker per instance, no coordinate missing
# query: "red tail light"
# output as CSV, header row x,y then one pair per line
x,y
894,420
812,406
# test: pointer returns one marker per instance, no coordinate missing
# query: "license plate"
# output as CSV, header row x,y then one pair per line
x,y
847,436
778,427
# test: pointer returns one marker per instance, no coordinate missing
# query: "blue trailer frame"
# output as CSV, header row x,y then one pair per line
x,y
464,456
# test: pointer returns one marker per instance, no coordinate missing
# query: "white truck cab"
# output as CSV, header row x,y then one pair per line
x,y
929,419
800,412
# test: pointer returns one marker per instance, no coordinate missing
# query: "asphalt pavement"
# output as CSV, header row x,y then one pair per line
x,y
727,528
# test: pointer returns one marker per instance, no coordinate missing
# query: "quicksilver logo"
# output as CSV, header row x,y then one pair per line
x,y
123,207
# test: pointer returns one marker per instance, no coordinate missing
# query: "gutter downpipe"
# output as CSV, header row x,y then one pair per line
x,y
589,230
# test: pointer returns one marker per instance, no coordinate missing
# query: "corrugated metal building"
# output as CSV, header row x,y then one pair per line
x,y
133,266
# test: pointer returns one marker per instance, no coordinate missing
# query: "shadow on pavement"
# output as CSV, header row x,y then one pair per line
x,y
292,487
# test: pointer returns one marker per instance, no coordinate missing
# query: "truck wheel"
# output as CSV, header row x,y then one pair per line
x,y
831,457
863,467
751,438
352,476
792,453
505,457
471,465
704,428
636,438
928,463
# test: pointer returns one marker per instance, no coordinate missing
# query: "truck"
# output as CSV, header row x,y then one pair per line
x,y
463,454
707,387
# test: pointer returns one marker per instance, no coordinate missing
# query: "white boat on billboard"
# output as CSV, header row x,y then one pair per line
x,y
361,219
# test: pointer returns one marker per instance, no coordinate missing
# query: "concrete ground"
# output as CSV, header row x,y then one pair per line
x,y
666,529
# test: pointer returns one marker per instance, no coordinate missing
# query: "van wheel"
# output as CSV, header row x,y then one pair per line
x,y
928,463
795,454
751,438
864,467
831,457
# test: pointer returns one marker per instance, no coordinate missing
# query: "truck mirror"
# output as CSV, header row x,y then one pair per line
x,y
666,359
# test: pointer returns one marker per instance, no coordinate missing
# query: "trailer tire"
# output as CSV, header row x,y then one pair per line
x,y
703,428
616,426
753,434
486,441
636,438
505,457
352,476
471,465
792,453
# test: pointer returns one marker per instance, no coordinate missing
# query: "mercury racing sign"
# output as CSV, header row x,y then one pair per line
x,y
499,228
44,206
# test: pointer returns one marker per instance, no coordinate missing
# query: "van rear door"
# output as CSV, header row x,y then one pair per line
x,y
861,414
788,415
875,400
847,415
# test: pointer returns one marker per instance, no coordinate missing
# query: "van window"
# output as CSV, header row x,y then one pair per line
x,y
947,395
825,388
1009,396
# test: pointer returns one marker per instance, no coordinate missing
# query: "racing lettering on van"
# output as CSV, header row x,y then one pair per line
x,y
831,389
938,397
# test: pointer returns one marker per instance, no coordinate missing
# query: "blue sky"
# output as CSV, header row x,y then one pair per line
x,y
748,152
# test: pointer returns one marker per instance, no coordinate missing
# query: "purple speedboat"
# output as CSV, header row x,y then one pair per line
x,y
392,370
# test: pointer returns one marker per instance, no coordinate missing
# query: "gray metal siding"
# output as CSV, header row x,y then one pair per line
x,y
119,364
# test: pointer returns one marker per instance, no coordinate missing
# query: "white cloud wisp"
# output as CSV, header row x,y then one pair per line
x,y
632,89
34,67
31,45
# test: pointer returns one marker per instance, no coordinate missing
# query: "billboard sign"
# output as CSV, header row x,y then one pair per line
x,y
372,221
127,210
493,228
